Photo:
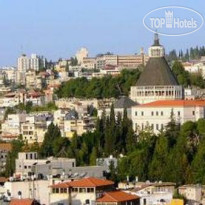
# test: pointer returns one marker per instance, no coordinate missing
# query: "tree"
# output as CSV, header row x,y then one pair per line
x,y
181,75
198,164
52,134
74,61
17,146
159,160
93,156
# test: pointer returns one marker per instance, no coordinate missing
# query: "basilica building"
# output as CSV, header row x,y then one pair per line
x,y
157,82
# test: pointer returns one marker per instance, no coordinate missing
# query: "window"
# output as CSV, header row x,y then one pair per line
x,y
152,113
152,126
178,113
142,126
162,113
87,201
162,126
157,126
136,113
74,189
142,113
90,190
193,112
82,190
144,201
157,113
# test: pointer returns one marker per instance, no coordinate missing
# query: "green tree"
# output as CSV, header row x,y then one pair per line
x,y
159,164
198,164
93,156
17,146
47,148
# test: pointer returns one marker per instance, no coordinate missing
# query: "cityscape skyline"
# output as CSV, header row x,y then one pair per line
x,y
60,29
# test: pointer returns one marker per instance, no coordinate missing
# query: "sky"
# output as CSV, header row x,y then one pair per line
x,y
58,28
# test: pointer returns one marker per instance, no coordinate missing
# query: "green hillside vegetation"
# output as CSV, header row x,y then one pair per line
x,y
105,87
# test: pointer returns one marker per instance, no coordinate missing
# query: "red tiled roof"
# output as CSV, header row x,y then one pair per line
x,y
9,135
3,179
117,196
61,185
174,103
11,94
91,182
5,146
21,202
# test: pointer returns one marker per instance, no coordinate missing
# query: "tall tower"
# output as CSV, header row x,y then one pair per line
x,y
157,82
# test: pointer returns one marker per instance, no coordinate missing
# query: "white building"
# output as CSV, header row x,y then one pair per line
x,y
192,193
156,115
34,62
28,162
81,54
29,189
12,124
154,193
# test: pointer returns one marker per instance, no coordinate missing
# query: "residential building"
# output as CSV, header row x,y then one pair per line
x,y
132,61
79,192
104,60
158,193
62,65
34,62
156,115
118,198
27,191
89,63
78,125
157,82
28,162
10,74
193,193
5,148
120,105
22,67
23,63
12,125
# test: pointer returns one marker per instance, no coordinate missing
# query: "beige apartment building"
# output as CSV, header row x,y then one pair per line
x,y
132,61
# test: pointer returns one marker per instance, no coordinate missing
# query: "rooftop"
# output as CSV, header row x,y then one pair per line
x,y
157,72
91,182
5,146
22,202
61,185
124,102
117,196
85,182
174,103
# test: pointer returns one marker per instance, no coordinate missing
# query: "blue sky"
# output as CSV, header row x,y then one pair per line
x,y
57,28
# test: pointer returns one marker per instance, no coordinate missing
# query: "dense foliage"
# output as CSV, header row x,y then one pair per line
x,y
29,107
189,54
105,87
185,78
